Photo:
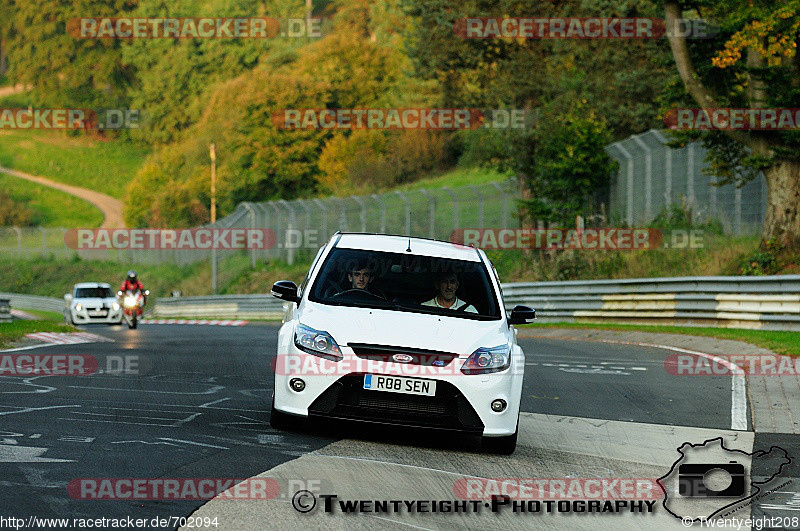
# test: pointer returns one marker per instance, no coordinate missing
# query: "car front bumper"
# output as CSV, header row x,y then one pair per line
x,y
334,390
83,317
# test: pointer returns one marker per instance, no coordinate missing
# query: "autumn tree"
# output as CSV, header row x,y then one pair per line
x,y
754,64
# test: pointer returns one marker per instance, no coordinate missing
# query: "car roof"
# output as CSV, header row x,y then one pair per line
x,y
92,285
400,244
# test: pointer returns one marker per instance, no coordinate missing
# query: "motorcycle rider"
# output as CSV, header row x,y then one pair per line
x,y
132,283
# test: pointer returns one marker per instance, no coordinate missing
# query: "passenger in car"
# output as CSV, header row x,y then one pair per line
x,y
446,287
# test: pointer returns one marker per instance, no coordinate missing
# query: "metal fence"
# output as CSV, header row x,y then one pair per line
x,y
653,176
304,225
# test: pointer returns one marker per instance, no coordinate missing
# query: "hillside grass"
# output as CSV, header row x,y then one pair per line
x,y
54,277
456,178
103,165
52,208
721,255
778,341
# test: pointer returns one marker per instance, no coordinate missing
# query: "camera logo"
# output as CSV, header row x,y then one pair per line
x,y
708,479
698,480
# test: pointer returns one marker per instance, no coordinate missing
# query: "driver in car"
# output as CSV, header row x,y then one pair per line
x,y
360,277
446,287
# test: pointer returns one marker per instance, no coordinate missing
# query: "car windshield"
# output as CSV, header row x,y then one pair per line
x,y
92,293
423,284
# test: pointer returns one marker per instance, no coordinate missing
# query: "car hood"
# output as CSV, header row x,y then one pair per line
x,y
404,329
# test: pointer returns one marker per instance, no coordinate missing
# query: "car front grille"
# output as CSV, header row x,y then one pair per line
x,y
347,399
430,358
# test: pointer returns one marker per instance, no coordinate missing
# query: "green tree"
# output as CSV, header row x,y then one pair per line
x,y
752,64
62,69
568,164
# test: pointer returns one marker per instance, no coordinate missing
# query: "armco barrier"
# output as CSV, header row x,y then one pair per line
x,y
5,310
769,302
34,302
220,306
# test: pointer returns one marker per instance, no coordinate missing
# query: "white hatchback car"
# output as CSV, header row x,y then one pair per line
x,y
92,302
401,331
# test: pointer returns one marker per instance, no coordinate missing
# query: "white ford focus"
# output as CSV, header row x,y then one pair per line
x,y
401,331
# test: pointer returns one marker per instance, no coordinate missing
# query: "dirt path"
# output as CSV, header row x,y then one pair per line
x,y
15,89
111,208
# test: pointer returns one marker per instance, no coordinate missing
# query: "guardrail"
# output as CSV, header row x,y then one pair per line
x,y
220,306
5,310
34,302
769,302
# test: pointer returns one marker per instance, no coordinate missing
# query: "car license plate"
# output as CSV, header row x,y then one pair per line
x,y
97,313
399,384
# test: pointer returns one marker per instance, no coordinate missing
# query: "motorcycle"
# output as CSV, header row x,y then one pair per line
x,y
132,306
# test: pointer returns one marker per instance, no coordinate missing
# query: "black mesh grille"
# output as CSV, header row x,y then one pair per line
x,y
347,399
418,356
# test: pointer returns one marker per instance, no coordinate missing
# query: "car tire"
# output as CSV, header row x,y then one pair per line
x,y
504,445
279,420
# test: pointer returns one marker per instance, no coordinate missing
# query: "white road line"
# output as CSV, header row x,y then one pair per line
x,y
30,409
208,392
118,422
738,382
110,415
214,402
190,418
738,385
194,443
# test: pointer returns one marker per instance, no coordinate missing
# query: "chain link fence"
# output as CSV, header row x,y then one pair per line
x,y
303,225
653,176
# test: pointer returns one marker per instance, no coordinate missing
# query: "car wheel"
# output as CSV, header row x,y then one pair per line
x,y
504,445
279,420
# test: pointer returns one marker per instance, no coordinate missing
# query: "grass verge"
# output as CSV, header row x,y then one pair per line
x,y
781,342
17,329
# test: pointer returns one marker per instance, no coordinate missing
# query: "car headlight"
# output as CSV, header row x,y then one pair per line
x,y
78,307
317,342
130,301
115,306
486,360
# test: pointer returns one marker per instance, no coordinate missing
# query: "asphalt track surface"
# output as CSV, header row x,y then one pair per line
x,y
199,408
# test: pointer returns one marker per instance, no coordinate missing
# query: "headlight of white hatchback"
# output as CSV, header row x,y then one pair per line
x,y
488,359
317,342
115,306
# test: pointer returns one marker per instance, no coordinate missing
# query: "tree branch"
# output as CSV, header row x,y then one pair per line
x,y
694,86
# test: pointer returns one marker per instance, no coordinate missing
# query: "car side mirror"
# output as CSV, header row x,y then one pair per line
x,y
521,315
285,290
68,297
